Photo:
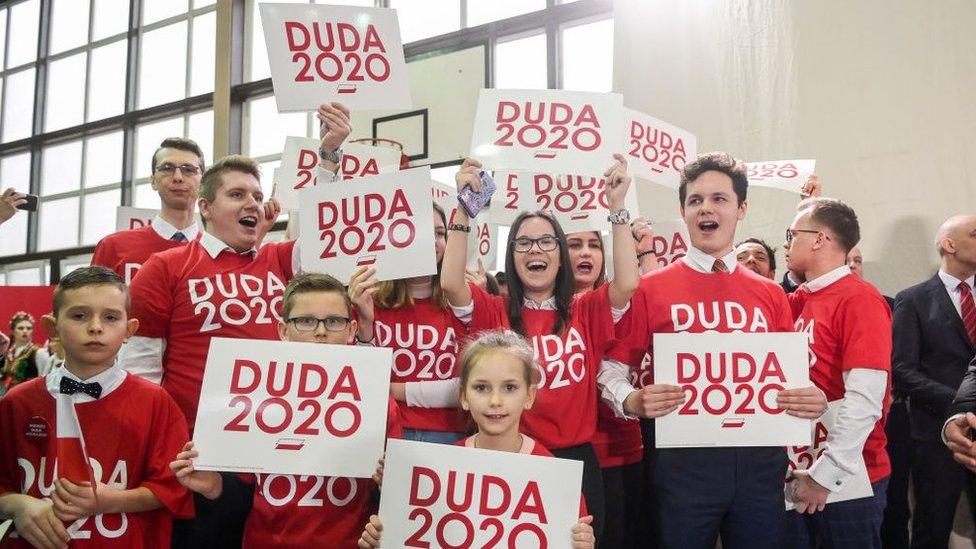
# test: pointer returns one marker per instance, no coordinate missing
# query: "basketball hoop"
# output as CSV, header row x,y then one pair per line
x,y
389,143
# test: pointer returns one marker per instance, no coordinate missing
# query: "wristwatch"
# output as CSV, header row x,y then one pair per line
x,y
620,217
331,156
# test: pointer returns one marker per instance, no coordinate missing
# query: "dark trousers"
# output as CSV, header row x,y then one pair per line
x,y
733,492
623,488
938,481
592,481
219,523
852,524
894,528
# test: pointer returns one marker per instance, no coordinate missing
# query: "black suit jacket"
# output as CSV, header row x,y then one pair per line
x,y
965,400
931,354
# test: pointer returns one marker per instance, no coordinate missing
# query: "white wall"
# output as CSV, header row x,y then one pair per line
x,y
882,94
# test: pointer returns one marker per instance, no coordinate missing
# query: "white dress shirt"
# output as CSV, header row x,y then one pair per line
x,y
952,288
165,230
110,380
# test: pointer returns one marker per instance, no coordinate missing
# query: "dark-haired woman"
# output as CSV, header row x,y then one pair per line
x,y
569,332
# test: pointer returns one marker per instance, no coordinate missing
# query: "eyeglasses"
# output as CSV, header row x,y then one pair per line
x,y
791,233
185,169
546,243
310,323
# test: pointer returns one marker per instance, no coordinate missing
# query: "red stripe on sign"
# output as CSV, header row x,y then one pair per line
x,y
657,170
542,154
577,217
346,88
366,260
733,422
290,444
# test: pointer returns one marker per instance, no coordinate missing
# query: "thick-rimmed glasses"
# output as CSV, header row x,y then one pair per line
x,y
791,233
185,169
546,243
310,323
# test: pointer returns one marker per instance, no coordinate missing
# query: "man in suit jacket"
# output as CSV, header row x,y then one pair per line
x,y
932,350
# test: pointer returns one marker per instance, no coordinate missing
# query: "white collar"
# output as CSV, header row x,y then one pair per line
x,y
951,282
166,230
214,246
547,305
109,380
827,279
702,262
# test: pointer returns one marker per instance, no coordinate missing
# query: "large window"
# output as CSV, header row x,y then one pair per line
x,y
89,89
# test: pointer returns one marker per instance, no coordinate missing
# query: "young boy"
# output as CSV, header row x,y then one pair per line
x,y
303,511
130,426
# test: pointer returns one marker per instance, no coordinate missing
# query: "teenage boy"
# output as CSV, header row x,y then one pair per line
x,y
849,326
292,510
177,166
701,493
130,427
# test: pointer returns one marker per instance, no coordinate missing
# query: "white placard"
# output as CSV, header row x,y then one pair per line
x,y
298,170
786,175
386,221
803,457
292,408
359,160
517,500
508,200
548,131
657,151
578,202
483,239
671,241
730,383
324,53
128,217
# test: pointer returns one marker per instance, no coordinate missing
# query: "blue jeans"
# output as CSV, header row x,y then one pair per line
x,y
436,437
854,523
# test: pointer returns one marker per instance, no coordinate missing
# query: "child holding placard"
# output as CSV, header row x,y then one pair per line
x,y
411,316
291,510
569,333
111,487
498,382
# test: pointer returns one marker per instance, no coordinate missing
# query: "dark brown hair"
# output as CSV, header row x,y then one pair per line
x,y
213,177
178,143
715,162
836,216
309,283
89,276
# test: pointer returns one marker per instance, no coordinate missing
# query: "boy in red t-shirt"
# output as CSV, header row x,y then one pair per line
x,y
849,326
303,510
701,493
129,426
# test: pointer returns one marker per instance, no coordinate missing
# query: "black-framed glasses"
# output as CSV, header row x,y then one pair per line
x,y
310,323
791,233
546,243
185,169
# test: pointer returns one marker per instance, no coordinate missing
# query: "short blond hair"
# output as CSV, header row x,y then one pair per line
x,y
213,178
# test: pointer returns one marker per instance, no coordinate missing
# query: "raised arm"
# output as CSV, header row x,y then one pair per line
x,y
453,281
625,274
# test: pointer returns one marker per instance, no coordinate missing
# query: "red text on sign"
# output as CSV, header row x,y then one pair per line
x,y
366,223
729,374
657,146
669,252
484,497
570,193
548,126
352,167
307,381
336,51
305,174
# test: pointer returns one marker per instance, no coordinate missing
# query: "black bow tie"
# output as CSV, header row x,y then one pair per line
x,y
70,387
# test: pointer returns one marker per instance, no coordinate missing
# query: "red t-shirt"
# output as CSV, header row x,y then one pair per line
x,y
131,434
564,413
849,326
530,447
678,299
617,441
424,339
312,511
186,297
125,251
